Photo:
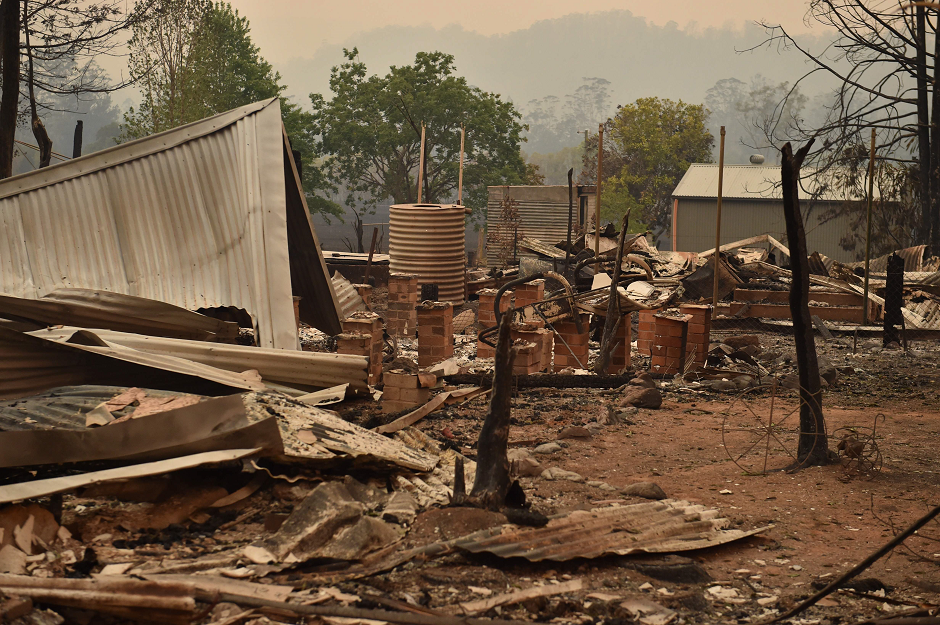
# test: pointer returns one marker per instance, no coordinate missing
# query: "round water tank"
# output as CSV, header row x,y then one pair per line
x,y
427,240
757,159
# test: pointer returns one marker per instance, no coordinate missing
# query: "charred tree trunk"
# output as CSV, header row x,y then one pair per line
x,y
934,243
894,296
613,320
77,139
923,126
9,98
813,448
492,482
39,129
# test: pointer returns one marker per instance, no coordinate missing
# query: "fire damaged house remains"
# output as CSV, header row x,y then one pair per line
x,y
204,420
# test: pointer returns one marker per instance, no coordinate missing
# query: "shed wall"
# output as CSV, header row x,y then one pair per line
x,y
742,218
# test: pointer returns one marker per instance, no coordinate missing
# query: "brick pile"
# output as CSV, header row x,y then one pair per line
x,y
365,292
578,342
528,358
699,332
530,293
620,358
646,330
364,324
486,316
402,391
435,332
401,319
671,334
542,339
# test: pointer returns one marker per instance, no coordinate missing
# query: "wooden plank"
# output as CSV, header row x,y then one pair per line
x,y
782,311
774,297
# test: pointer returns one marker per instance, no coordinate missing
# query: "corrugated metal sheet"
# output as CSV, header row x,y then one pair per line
x,y
428,240
348,297
543,212
30,365
744,218
199,216
654,527
754,182
297,369
114,311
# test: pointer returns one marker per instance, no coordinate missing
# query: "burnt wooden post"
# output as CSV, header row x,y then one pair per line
x,y
77,139
492,478
894,299
613,319
813,447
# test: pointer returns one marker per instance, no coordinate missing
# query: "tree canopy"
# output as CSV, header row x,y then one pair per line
x,y
648,146
371,133
194,59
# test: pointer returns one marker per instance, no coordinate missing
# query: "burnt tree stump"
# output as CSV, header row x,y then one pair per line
x,y
813,446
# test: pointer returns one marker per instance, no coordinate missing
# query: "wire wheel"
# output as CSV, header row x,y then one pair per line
x,y
752,434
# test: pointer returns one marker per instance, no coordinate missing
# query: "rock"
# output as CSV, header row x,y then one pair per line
x,y
526,466
751,350
742,340
646,490
893,345
642,398
767,356
517,453
328,510
547,448
401,508
723,386
554,473
646,382
12,560
626,414
827,371
574,431
744,381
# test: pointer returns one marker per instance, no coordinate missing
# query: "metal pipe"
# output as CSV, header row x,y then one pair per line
x,y
570,209
463,134
597,193
871,191
721,171
421,167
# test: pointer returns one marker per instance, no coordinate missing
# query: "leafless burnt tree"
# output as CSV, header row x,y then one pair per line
x,y
887,80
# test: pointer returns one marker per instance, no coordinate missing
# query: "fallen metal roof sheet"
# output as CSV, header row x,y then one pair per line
x,y
349,299
205,215
653,527
30,365
101,309
296,369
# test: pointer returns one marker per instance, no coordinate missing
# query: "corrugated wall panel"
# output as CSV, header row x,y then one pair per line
x,y
741,219
195,217
544,220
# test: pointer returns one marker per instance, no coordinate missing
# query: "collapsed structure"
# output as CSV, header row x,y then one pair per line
x,y
126,382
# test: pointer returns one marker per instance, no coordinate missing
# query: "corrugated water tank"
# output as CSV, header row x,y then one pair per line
x,y
427,240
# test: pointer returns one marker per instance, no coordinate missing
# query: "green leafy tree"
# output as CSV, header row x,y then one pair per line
x,y
648,146
194,59
371,134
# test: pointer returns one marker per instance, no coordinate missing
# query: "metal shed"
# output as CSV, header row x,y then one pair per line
x,y
543,212
752,204
206,215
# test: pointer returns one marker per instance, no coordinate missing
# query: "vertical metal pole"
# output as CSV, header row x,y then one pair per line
x,y
871,191
717,255
463,134
597,196
421,167
570,211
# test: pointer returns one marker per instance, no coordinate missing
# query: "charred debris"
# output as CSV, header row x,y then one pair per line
x,y
208,427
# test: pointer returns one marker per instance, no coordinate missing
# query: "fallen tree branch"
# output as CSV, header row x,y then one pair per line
x,y
864,564
546,380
